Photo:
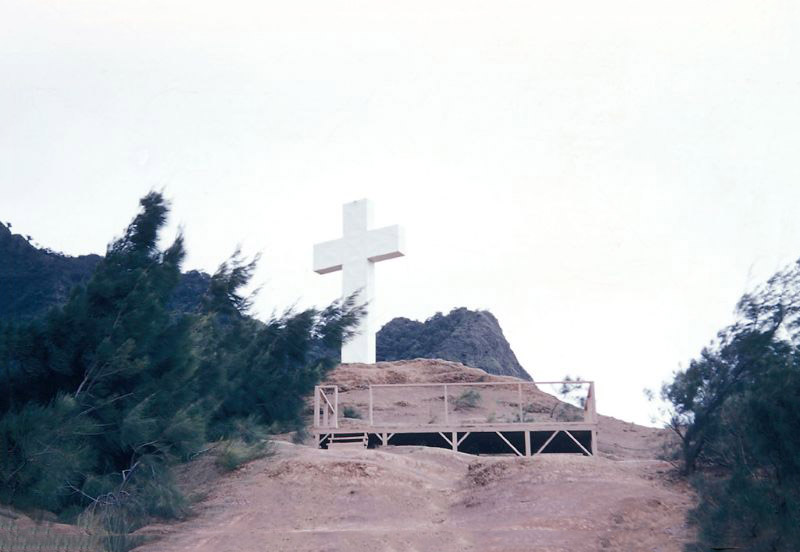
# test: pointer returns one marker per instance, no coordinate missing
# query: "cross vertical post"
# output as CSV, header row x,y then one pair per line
x,y
355,254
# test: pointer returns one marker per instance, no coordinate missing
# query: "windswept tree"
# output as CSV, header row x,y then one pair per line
x,y
736,413
104,394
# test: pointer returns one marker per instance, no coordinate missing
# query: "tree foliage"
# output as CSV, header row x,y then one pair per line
x,y
736,413
100,397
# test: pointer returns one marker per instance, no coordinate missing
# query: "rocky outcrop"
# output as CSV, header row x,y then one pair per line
x,y
473,338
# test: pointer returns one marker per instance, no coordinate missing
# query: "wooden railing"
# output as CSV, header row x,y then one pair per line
x,y
326,406
326,400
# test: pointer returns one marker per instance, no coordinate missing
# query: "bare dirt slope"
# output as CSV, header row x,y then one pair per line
x,y
417,498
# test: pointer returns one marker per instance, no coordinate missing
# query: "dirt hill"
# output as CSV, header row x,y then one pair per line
x,y
473,338
418,498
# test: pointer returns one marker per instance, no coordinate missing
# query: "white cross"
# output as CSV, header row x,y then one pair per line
x,y
355,255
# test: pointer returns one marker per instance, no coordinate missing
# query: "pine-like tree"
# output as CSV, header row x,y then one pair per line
x,y
101,396
735,411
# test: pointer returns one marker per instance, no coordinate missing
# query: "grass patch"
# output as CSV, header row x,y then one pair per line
x,y
237,452
350,412
42,537
18,538
469,398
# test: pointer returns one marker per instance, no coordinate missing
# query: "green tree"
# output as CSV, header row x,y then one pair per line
x,y
735,411
114,358
104,394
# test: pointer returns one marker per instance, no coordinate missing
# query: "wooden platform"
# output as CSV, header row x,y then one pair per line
x,y
515,434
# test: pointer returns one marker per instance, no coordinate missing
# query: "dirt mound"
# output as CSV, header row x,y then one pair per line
x,y
420,370
420,499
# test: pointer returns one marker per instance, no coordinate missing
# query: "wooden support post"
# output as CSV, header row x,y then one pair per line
x,y
336,406
316,406
446,408
371,420
325,409
594,442
455,442
527,443
519,401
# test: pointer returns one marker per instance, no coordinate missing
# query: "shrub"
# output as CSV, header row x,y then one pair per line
x,y
351,412
469,398
237,452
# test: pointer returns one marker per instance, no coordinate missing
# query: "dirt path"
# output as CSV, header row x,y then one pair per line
x,y
415,498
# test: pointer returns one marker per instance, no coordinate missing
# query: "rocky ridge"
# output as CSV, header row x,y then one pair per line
x,y
473,338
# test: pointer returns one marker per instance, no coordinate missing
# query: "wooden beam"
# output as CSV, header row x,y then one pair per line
x,y
371,421
509,443
446,408
527,443
316,406
548,441
577,443
446,439
325,396
336,406
464,437
463,383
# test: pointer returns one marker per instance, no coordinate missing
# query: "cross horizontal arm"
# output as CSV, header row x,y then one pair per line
x,y
385,243
328,256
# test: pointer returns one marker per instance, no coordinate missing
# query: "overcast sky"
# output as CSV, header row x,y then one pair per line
x,y
606,177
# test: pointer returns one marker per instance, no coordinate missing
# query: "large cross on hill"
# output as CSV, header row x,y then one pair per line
x,y
355,255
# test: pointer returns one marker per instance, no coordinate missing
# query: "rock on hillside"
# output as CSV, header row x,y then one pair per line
x,y
473,338
33,280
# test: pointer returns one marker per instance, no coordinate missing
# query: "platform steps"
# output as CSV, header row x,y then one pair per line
x,y
341,441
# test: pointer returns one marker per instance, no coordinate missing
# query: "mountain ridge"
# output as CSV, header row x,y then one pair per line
x,y
471,337
33,280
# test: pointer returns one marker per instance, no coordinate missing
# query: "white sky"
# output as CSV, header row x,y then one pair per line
x,y
606,177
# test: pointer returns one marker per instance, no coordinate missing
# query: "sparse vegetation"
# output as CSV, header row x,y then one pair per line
x,y
43,537
351,412
236,452
469,398
19,538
